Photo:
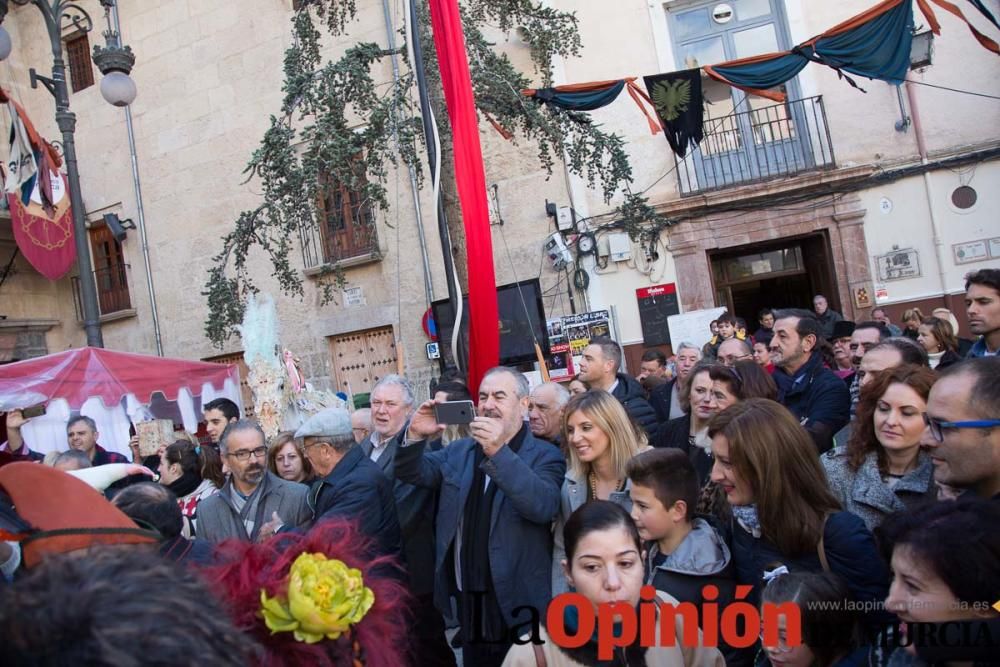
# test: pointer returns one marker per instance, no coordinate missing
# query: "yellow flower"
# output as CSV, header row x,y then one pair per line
x,y
325,598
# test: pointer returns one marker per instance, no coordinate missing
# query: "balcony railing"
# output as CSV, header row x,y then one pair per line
x,y
341,238
112,290
763,143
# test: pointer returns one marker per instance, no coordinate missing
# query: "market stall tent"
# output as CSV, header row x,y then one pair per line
x,y
114,389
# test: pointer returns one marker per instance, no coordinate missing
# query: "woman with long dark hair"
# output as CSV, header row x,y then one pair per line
x,y
785,515
883,469
193,473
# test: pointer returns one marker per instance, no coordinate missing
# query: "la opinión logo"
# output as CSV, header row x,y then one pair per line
x,y
738,624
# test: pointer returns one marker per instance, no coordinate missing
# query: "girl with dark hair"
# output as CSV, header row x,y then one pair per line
x,y
603,563
193,473
784,513
883,469
945,560
936,336
578,386
829,625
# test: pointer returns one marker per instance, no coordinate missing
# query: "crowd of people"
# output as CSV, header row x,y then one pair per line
x,y
852,469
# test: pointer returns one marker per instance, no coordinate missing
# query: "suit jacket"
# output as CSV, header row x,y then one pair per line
x,y
218,519
415,509
659,399
356,489
526,502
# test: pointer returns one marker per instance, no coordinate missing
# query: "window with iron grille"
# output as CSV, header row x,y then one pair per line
x,y
81,70
346,222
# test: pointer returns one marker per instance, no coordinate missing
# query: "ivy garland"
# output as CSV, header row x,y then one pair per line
x,y
321,109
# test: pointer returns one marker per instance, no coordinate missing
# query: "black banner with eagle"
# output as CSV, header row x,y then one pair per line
x,y
678,101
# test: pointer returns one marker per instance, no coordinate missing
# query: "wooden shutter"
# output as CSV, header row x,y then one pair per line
x,y
237,358
109,271
81,70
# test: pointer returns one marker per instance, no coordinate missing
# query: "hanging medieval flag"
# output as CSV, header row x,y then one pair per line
x,y
45,237
38,197
679,103
591,96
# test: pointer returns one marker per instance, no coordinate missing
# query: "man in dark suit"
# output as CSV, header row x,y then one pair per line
x,y
499,493
391,405
348,484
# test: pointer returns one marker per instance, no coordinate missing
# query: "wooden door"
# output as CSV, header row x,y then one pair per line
x,y
245,393
362,358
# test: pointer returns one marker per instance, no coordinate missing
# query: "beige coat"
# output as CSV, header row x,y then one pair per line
x,y
523,655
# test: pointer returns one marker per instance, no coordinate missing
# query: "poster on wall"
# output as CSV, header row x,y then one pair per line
x,y
560,361
693,327
579,329
656,304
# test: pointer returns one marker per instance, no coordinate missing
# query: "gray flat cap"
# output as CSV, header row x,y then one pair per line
x,y
331,423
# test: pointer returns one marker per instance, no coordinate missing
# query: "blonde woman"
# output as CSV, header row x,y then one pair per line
x,y
600,440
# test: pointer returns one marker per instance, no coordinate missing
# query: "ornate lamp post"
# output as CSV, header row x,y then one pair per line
x,y
115,62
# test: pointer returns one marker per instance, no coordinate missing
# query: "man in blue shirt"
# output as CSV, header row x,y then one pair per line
x,y
982,304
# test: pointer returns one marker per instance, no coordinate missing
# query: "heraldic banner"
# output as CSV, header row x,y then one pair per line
x,y
38,196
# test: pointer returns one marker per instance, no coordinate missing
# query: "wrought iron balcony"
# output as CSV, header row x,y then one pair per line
x,y
763,143
112,290
344,235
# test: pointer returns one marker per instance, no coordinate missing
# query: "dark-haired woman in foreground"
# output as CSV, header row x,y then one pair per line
x,y
784,513
604,564
829,626
945,560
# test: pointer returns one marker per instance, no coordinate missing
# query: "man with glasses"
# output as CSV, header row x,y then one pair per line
x,y
963,434
254,503
732,350
349,484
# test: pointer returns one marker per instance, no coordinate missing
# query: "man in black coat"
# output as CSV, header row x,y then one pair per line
x,y
810,391
349,484
392,402
599,368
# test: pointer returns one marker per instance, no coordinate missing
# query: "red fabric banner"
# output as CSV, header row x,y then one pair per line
x,y
45,237
484,333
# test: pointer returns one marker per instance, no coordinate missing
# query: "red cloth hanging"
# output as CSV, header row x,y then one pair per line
x,y
484,333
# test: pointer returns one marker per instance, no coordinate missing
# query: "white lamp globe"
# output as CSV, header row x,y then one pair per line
x,y
118,89
5,43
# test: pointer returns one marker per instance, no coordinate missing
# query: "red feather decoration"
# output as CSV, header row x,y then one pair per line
x,y
380,637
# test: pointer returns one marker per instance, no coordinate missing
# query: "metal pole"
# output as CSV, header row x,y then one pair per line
x,y
414,189
66,120
425,113
140,210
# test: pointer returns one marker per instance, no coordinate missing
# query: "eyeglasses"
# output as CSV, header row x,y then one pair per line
x,y
305,448
938,426
245,454
731,359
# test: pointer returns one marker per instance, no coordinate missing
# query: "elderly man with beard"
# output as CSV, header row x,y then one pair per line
x,y
499,491
254,503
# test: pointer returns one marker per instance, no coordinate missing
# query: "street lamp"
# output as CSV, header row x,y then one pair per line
x,y
115,62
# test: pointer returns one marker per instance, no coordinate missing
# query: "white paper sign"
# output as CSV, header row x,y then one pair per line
x,y
692,327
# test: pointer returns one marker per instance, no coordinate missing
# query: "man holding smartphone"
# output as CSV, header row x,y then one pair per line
x,y
499,491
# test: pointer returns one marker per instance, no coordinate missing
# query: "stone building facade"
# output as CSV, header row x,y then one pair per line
x,y
209,76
